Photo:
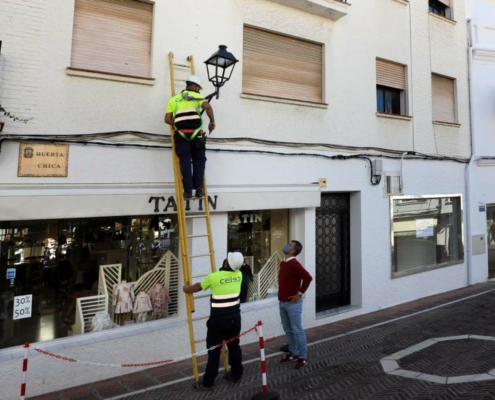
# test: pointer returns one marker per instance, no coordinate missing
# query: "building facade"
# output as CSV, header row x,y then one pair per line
x,y
481,25
344,126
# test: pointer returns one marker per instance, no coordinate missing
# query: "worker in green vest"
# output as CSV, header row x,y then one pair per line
x,y
184,114
225,319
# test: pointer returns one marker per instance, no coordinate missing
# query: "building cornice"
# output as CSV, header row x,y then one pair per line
x,y
484,55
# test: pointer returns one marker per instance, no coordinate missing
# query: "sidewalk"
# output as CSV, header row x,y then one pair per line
x,y
348,366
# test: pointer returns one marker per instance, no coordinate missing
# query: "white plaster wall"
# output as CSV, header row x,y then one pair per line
x,y
481,14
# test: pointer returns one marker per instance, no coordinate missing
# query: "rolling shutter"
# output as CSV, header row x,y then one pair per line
x,y
446,2
443,99
279,66
112,36
390,74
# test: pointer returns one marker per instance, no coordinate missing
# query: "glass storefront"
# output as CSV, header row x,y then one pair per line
x,y
426,233
49,265
260,236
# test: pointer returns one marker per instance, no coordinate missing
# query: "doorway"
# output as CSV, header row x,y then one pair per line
x,y
333,252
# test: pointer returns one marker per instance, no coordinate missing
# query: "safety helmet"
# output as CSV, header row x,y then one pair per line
x,y
194,79
235,260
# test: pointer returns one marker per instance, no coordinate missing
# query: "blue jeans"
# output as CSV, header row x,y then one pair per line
x,y
292,324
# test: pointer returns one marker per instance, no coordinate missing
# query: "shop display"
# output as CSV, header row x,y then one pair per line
x,y
101,321
142,306
159,299
58,263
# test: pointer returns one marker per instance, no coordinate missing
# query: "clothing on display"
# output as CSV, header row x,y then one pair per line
x,y
101,321
123,298
142,306
159,299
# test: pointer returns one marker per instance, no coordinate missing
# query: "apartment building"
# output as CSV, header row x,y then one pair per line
x,y
345,125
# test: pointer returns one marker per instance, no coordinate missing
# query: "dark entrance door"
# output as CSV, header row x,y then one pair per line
x,y
333,257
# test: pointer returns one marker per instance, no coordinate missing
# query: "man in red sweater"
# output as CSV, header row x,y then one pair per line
x,y
293,281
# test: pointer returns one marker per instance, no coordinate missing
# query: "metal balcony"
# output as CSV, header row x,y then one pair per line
x,y
331,9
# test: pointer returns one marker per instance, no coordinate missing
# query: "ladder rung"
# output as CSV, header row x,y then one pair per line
x,y
200,318
199,276
196,216
202,296
182,65
201,255
197,236
200,340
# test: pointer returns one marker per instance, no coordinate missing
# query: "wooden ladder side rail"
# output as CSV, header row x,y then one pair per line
x,y
183,241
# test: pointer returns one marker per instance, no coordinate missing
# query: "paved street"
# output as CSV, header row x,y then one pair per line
x,y
348,367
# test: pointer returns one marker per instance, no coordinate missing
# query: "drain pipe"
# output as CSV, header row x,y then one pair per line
x,y
469,256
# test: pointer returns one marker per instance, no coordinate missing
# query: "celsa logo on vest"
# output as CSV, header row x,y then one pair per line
x,y
234,279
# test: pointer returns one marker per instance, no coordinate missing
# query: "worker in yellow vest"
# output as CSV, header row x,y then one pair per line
x,y
184,114
225,319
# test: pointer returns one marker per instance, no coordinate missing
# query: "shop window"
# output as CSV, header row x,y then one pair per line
x,y
74,269
260,237
426,233
112,36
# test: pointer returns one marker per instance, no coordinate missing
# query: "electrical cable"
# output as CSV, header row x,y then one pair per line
x,y
153,137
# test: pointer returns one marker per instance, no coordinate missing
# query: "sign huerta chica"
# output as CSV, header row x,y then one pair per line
x,y
43,160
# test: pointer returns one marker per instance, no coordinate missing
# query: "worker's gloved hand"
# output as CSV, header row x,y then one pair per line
x,y
211,127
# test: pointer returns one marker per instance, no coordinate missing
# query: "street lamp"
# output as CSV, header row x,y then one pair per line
x,y
220,67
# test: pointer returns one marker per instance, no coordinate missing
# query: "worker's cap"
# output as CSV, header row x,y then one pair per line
x,y
235,260
194,79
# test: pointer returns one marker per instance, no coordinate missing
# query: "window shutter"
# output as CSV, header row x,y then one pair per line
x,y
446,2
443,99
112,36
279,66
390,74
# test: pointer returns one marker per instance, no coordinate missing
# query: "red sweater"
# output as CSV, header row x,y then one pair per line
x,y
290,275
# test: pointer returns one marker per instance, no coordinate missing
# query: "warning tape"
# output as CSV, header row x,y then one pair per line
x,y
68,359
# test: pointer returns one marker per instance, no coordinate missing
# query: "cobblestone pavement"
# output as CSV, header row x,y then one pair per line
x,y
348,366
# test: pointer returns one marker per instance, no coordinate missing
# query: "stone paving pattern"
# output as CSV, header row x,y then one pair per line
x,y
348,367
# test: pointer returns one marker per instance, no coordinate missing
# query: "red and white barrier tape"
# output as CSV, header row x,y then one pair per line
x,y
47,353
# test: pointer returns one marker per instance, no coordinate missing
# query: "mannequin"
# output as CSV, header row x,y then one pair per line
x,y
159,299
142,306
123,298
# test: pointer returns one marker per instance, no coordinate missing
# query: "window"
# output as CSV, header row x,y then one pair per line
x,y
390,87
260,237
440,7
112,36
63,263
443,92
281,66
426,233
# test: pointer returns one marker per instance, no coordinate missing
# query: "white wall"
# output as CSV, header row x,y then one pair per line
x,y
481,14
68,105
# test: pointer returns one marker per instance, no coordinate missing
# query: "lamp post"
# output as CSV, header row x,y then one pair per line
x,y
220,67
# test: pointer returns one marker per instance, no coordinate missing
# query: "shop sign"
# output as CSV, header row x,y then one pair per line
x,y
245,219
23,306
43,160
194,205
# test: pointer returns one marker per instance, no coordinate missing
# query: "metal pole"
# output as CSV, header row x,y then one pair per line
x,y
24,371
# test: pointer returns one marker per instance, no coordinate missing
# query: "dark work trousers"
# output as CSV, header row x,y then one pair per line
x,y
218,331
186,151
